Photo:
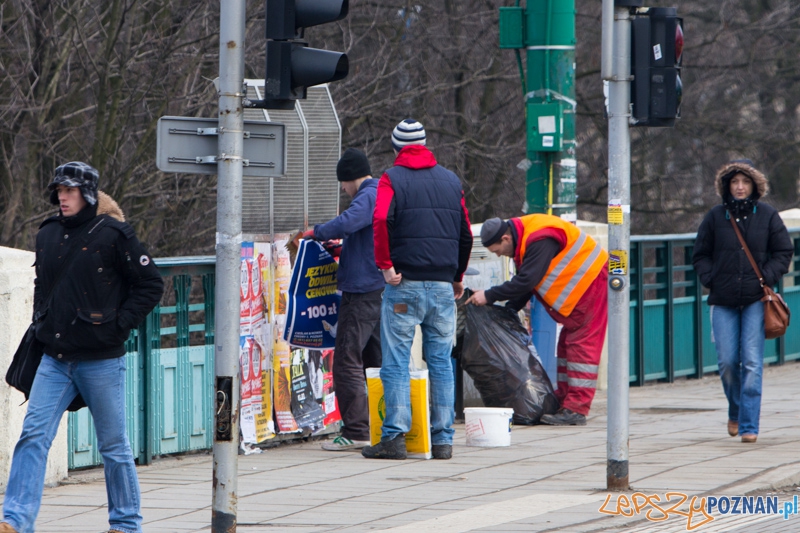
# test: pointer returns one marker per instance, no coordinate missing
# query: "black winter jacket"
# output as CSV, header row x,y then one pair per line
x,y
721,263
109,287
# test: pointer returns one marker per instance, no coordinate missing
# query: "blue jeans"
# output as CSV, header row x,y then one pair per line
x,y
431,305
102,385
739,336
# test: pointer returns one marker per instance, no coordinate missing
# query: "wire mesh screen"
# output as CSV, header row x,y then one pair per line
x,y
308,194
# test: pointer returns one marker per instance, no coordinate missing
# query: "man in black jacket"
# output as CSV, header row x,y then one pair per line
x,y
94,283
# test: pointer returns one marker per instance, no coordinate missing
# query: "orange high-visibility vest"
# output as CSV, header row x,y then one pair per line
x,y
571,271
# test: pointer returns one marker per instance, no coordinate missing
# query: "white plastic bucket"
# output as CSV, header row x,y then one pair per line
x,y
488,426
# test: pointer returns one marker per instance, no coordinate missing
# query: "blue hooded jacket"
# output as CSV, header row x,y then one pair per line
x,y
357,271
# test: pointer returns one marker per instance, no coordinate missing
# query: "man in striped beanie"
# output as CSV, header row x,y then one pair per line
x,y
422,245
406,133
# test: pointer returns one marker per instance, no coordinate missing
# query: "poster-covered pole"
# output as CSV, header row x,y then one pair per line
x,y
228,251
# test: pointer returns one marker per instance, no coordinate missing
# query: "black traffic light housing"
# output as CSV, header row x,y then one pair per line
x,y
291,65
656,59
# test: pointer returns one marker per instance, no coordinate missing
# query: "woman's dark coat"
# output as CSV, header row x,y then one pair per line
x,y
719,258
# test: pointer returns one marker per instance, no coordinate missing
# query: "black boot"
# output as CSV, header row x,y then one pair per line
x,y
387,449
564,417
442,451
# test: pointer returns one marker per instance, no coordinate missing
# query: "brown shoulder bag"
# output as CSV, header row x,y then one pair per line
x,y
776,312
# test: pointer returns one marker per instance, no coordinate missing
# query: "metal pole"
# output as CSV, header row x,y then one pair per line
x,y
606,43
619,236
550,185
229,242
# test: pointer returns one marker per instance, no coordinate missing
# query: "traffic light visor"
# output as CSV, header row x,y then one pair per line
x,y
316,12
678,43
311,66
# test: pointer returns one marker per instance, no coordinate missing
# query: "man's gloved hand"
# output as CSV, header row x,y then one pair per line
x,y
308,234
333,247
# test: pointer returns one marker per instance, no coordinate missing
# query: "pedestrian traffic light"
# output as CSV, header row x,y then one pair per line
x,y
291,65
656,58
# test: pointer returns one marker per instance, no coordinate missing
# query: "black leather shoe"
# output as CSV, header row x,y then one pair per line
x,y
387,449
442,451
564,417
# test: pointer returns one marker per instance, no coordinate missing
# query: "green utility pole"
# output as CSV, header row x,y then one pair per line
x,y
546,30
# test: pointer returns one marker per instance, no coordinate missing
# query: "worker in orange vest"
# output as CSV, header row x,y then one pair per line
x,y
567,271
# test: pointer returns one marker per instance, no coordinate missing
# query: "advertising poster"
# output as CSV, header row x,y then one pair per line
x,y
248,423
262,332
245,289
282,277
313,305
281,351
305,407
282,387
283,391
329,404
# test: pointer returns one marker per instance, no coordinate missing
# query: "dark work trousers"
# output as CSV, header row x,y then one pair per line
x,y
358,346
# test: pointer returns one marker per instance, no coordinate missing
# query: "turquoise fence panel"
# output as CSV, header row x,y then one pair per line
x,y
771,351
791,341
81,437
201,410
633,363
684,336
709,350
678,341
168,390
82,441
171,356
655,357
167,400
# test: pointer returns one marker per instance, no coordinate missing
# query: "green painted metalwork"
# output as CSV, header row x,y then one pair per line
x,y
546,29
170,390
512,29
169,408
549,37
670,324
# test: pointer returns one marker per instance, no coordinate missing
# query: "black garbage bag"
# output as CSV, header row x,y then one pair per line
x,y
498,355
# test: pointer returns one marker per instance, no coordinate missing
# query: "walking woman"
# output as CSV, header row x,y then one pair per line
x,y
737,313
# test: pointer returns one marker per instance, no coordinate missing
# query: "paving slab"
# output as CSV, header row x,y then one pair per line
x,y
549,479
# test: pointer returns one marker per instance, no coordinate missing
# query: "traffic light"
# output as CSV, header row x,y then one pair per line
x,y
291,65
656,58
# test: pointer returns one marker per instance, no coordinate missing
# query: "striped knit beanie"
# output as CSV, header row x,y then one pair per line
x,y
408,132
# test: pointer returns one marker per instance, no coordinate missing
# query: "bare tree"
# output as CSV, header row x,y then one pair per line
x,y
740,101
82,80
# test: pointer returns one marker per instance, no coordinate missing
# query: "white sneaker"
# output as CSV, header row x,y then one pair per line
x,y
343,444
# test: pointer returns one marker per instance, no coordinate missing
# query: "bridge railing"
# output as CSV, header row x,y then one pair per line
x,y
670,324
170,356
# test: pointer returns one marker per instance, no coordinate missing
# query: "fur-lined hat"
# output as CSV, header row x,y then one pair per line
x,y
745,166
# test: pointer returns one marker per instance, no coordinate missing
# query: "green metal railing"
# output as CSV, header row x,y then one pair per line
x,y
670,325
171,355
170,372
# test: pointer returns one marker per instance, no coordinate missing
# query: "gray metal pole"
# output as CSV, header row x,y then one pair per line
x,y
619,237
229,242
606,43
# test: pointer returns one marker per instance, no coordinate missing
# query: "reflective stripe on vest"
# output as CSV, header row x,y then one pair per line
x,y
573,270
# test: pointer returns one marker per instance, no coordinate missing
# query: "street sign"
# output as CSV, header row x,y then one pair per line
x,y
189,145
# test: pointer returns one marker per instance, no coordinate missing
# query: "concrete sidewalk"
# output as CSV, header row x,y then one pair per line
x,y
549,479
